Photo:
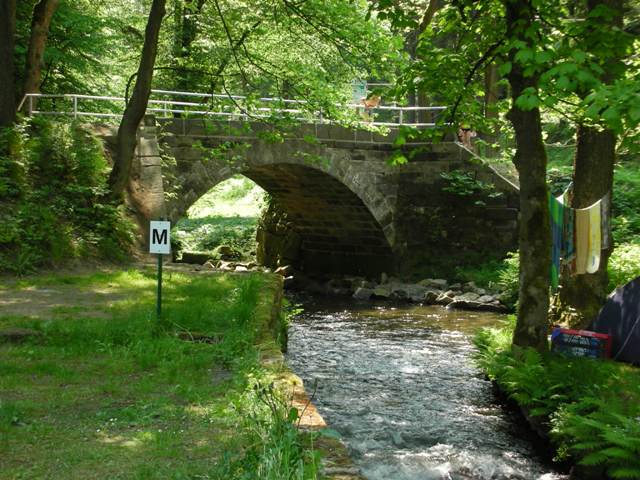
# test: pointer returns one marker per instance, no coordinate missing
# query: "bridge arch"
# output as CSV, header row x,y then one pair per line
x,y
407,212
341,223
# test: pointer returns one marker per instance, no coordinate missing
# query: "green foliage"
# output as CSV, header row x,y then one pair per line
x,y
624,264
591,405
226,215
626,198
465,184
277,451
54,176
495,274
89,47
601,434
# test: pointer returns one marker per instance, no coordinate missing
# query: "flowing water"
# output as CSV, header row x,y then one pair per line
x,y
400,386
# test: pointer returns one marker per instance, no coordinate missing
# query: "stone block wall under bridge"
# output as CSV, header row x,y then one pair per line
x,y
347,209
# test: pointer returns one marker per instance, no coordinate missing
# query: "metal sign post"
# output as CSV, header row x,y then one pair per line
x,y
160,244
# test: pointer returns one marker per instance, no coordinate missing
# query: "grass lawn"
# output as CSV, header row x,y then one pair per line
x,y
106,392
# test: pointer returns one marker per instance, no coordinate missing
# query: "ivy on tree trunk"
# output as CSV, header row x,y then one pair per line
x,y
137,104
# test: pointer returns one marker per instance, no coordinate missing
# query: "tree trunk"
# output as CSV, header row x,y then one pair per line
x,y
491,95
592,179
531,161
7,80
185,34
42,14
137,105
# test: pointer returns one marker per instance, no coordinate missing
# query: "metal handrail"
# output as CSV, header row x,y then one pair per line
x,y
167,107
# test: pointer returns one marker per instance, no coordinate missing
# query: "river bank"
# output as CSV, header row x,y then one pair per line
x,y
587,410
92,386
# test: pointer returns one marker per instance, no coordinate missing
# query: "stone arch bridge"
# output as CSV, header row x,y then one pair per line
x,y
341,207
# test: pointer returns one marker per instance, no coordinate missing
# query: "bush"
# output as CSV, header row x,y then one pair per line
x,y
624,264
591,407
502,275
626,198
53,179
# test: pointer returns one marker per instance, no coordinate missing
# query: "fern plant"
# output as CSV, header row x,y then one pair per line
x,y
604,433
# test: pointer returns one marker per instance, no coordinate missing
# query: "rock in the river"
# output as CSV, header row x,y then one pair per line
x,y
431,296
467,297
362,293
364,284
228,266
474,305
285,270
415,293
382,291
436,283
469,287
444,299
486,299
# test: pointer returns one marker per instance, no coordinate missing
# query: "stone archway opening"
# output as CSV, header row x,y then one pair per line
x,y
316,224
285,214
221,224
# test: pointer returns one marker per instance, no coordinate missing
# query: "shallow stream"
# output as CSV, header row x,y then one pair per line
x,y
400,386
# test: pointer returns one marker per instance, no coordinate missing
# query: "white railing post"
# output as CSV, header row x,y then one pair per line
x,y
401,119
75,107
30,108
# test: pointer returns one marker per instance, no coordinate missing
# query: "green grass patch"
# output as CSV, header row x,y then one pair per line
x,y
127,397
591,407
226,215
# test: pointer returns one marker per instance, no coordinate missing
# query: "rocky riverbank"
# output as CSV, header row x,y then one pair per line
x,y
429,291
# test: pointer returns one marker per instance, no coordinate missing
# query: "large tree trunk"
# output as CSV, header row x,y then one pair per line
x,y
592,179
186,30
7,80
42,15
535,231
137,105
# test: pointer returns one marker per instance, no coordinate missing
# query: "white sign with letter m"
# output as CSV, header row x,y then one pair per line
x,y
159,237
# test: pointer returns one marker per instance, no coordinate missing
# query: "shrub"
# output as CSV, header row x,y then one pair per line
x,y
624,264
53,181
591,406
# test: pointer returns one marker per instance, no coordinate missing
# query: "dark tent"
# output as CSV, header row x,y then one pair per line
x,y
620,318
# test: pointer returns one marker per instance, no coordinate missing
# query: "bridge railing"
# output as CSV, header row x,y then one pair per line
x,y
168,104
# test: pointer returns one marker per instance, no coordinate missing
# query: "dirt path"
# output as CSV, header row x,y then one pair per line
x,y
58,301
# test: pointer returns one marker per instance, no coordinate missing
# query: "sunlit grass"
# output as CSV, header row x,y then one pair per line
x,y
226,215
124,396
